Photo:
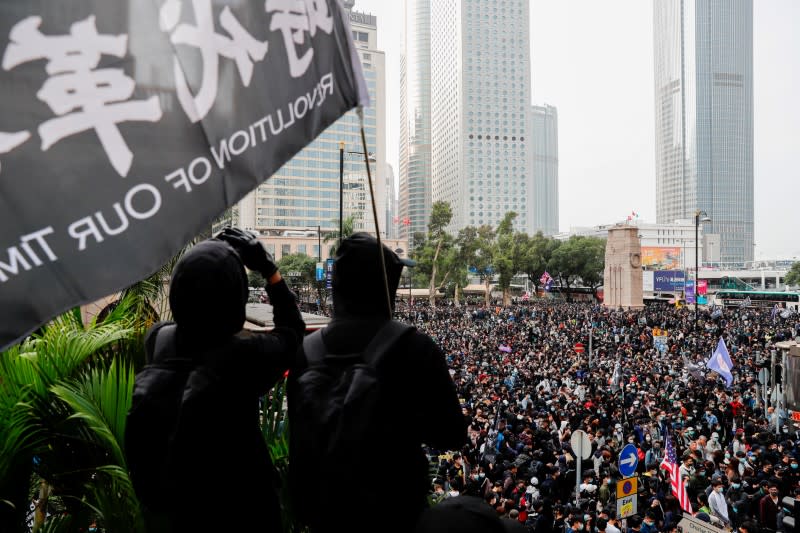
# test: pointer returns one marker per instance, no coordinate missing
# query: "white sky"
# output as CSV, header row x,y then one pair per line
x,y
593,60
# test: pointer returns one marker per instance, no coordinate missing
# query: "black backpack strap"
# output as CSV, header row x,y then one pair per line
x,y
383,341
314,348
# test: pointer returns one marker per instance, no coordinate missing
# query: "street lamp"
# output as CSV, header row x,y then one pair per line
x,y
400,252
341,189
697,220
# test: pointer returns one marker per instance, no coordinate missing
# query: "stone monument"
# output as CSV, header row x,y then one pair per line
x,y
622,279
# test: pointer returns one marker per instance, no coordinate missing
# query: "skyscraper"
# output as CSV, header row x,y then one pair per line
x,y
415,119
704,117
544,150
304,193
390,223
480,101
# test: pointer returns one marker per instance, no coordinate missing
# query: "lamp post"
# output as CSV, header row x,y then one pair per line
x,y
407,272
697,221
341,189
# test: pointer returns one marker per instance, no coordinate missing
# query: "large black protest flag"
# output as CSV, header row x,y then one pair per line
x,y
126,127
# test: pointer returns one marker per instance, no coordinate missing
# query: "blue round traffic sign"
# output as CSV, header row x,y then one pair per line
x,y
628,460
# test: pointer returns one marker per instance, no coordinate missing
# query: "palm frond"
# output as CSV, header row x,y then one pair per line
x,y
58,524
113,499
102,399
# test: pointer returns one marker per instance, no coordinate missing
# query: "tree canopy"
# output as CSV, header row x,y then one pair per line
x,y
498,255
793,276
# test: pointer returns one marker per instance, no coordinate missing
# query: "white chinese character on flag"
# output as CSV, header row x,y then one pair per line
x,y
82,97
294,18
240,46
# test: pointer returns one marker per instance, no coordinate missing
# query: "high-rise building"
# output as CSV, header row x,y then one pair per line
x,y
415,119
480,102
704,118
304,193
391,220
544,151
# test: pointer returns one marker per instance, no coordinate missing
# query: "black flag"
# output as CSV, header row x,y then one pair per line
x,y
126,127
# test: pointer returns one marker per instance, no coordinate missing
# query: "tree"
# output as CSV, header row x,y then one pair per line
x,y
348,228
793,276
256,280
433,252
537,253
478,251
579,258
593,260
506,255
305,266
64,397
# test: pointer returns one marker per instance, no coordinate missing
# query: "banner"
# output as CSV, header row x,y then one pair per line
x,y
668,281
689,292
702,286
127,127
661,343
661,258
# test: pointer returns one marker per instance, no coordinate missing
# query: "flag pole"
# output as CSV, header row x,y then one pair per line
x,y
360,111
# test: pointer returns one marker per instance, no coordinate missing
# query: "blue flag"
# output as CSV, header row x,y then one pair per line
x,y
721,363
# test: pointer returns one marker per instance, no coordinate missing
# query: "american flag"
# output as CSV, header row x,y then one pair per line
x,y
670,464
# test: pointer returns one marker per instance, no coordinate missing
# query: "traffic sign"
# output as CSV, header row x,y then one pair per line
x,y
689,524
579,347
581,444
626,487
763,376
320,271
626,507
329,273
582,447
628,460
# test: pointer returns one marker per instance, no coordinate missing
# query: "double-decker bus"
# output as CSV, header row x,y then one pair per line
x,y
733,298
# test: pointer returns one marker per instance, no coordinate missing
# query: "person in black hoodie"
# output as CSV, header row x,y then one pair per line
x,y
418,402
218,467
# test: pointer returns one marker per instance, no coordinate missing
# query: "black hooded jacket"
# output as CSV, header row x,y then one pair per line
x,y
419,400
219,458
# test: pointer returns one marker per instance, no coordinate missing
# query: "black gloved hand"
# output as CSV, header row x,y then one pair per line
x,y
253,254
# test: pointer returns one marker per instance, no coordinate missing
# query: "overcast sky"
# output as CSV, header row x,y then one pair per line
x,y
593,60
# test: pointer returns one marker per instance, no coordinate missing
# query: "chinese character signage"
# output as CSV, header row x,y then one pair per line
x,y
127,127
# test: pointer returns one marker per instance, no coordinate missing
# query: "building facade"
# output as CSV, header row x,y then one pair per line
x,y
415,120
391,220
304,193
704,117
544,151
480,102
664,246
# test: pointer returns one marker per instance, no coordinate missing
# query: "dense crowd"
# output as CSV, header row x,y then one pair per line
x,y
524,390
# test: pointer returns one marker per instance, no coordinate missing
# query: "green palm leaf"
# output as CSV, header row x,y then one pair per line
x,y
102,399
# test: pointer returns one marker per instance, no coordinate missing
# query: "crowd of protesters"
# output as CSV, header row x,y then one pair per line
x,y
524,390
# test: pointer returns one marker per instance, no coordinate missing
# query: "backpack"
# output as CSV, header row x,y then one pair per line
x,y
152,419
335,402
